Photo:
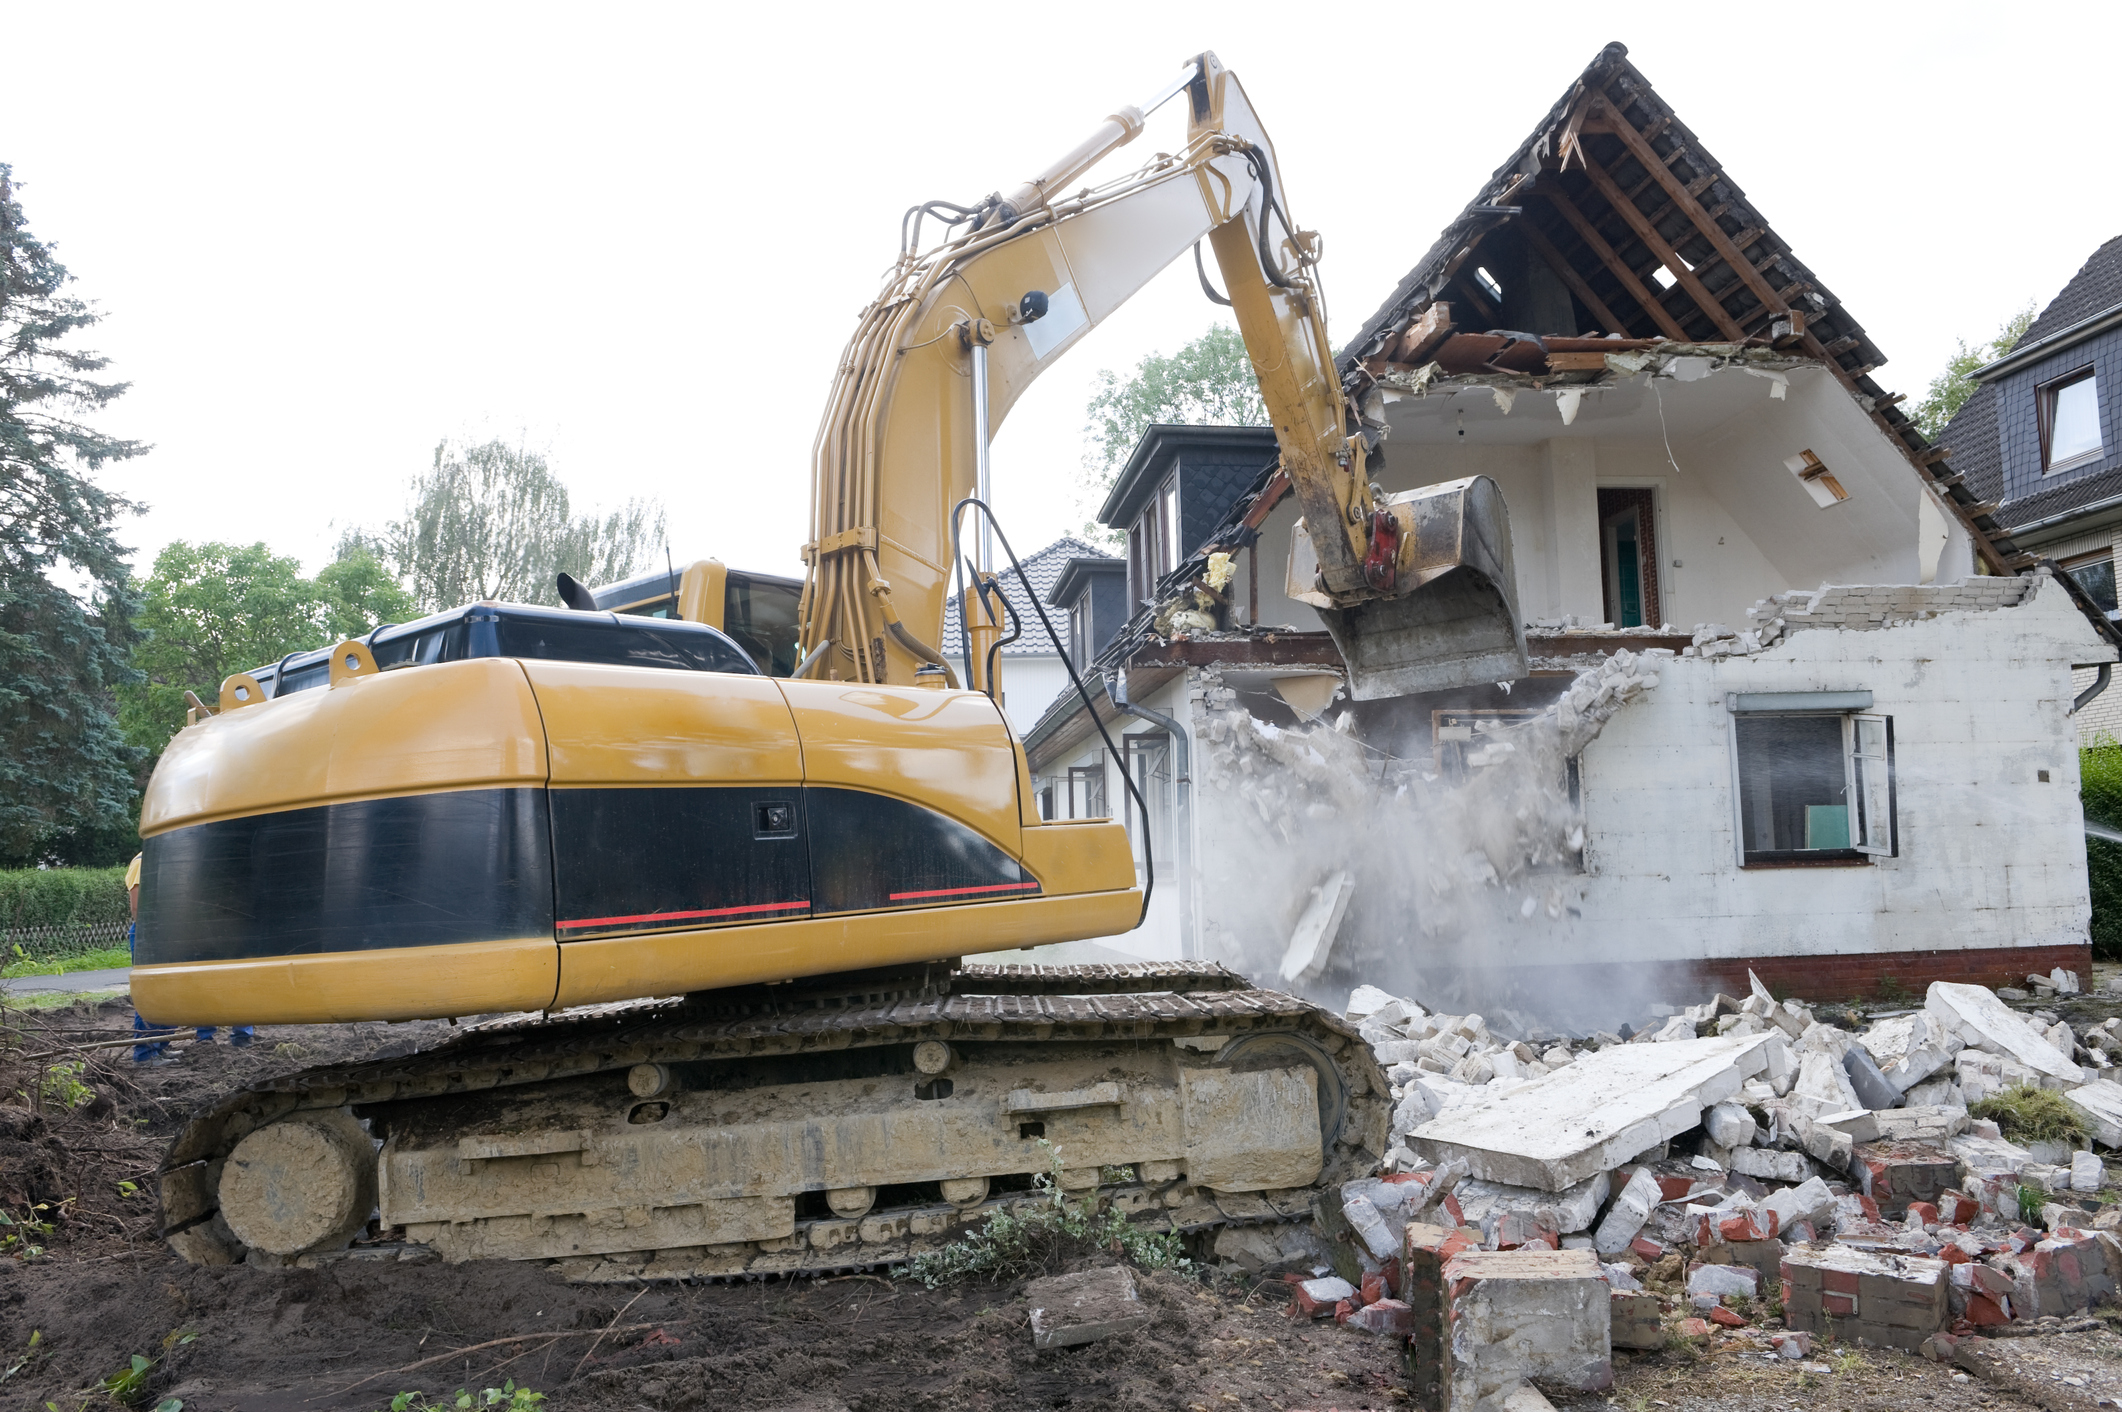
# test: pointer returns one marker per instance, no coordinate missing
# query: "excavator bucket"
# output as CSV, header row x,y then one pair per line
x,y
1454,622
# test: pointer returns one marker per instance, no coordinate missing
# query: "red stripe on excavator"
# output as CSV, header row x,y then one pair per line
x,y
681,916
964,891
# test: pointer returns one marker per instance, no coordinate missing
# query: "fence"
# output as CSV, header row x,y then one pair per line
x,y
53,943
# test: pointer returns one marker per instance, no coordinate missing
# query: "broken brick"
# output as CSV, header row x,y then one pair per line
x,y
1844,1293
1384,1316
1893,1174
1726,1317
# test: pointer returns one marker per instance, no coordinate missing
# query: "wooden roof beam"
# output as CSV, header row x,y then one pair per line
x,y
1589,234
1648,234
1570,277
1684,196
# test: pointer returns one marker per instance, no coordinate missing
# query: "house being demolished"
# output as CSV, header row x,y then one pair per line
x,y
1798,704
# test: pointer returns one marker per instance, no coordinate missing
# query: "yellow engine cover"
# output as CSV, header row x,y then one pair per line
x,y
502,834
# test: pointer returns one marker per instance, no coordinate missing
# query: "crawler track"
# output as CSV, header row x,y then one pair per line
x,y
527,1087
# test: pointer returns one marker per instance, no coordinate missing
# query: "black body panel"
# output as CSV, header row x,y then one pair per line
x,y
870,851
657,859
418,870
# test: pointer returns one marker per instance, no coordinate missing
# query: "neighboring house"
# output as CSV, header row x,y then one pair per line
x,y
2042,439
1031,671
1825,784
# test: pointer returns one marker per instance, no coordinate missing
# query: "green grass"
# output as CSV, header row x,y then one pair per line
x,y
2029,1114
114,958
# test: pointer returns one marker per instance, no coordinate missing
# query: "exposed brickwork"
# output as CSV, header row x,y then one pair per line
x,y
1870,606
1839,977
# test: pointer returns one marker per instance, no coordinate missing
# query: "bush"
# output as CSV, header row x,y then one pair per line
x,y
60,897
2100,776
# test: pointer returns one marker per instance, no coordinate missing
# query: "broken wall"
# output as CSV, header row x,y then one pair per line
x,y
1487,881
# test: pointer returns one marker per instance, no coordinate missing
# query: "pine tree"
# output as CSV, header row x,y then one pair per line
x,y
66,773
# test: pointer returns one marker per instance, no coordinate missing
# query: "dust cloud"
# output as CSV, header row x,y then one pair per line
x,y
1455,878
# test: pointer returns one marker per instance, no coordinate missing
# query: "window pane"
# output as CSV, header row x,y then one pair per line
x,y
1171,527
1793,785
2075,422
2098,581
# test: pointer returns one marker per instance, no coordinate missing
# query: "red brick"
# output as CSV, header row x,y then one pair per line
x,y
1982,1310
1647,1248
1693,1328
1726,1317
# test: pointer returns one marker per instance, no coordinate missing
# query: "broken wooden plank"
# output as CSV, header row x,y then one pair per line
x,y
1421,337
1576,362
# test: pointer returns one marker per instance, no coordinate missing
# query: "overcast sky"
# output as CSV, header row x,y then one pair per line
x,y
637,236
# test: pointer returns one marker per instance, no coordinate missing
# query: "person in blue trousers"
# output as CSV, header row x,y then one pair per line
x,y
154,1045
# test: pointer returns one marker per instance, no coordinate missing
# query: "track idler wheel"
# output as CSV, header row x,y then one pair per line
x,y
303,1185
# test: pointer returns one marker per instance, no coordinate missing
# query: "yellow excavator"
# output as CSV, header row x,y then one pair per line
x,y
711,844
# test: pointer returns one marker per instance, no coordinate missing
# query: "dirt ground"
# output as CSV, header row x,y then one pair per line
x,y
353,1334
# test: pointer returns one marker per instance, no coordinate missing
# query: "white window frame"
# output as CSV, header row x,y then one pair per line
x,y
1868,773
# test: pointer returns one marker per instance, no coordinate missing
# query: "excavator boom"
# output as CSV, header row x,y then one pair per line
x,y
1415,587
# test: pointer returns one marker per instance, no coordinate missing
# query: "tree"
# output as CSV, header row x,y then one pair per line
x,y
65,769
210,610
1950,389
1209,382
493,521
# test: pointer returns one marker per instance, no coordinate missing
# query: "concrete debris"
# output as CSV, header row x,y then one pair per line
x,y
1518,1316
1084,1308
1546,1198
1894,1300
1604,1109
1311,944
1984,1022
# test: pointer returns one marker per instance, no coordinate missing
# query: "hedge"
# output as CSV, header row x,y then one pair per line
x,y
2100,773
60,897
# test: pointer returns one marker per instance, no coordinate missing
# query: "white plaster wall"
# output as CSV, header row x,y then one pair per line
x,y
1989,855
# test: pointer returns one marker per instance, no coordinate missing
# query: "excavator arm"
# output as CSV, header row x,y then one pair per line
x,y
1415,587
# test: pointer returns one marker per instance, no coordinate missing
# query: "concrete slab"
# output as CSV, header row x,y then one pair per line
x,y
1607,1107
1083,1308
119,979
1985,1022
2100,1104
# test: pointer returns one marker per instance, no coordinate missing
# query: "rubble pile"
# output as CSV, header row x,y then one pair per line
x,y
1746,1166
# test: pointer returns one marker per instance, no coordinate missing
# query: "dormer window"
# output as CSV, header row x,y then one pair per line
x,y
2070,421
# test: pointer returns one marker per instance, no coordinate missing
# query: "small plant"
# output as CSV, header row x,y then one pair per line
x,y
508,1397
1892,992
1013,1241
23,1239
1848,1361
2030,1114
128,1190
2031,1200
29,1355
61,1085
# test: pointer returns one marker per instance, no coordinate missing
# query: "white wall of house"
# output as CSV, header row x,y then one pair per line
x,y
1991,855
1733,524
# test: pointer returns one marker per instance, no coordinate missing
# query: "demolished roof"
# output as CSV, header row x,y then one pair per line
x,y
1611,218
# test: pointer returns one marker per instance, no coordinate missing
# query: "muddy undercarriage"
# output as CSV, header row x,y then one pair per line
x,y
783,1130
